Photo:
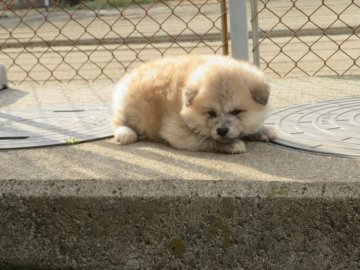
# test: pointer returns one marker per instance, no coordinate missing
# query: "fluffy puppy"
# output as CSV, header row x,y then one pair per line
x,y
200,103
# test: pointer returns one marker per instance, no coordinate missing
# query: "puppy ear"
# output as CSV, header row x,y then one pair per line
x,y
260,93
190,94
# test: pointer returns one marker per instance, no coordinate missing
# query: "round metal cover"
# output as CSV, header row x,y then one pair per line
x,y
54,126
329,127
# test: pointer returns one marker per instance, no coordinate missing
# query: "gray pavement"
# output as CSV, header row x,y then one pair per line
x,y
94,160
99,205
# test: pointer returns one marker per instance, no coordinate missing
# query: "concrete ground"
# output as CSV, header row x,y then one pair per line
x,y
99,205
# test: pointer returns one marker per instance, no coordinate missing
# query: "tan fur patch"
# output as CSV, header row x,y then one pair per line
x,y
170,99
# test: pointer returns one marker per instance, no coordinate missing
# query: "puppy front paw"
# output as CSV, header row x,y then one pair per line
x,y
264,134
237,147
125,135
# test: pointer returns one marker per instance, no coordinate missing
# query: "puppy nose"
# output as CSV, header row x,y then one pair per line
x,y
222,131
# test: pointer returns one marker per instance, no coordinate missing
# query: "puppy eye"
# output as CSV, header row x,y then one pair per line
x,y
211,114
236,112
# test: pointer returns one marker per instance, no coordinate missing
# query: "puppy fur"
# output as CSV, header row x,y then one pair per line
x,y
199,103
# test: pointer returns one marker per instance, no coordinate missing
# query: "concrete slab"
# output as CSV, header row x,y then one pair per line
x,y
147,206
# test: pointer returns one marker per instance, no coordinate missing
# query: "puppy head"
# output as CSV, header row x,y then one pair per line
x,y
225,99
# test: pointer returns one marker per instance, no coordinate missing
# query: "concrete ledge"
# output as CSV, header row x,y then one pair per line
x,y
88,224
148,206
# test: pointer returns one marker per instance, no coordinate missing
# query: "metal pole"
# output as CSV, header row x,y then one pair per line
x,y
4,83
47,4
255,33
224,28
238,29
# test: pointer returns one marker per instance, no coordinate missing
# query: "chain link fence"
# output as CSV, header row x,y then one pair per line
x,y
94,40
71,41
307,38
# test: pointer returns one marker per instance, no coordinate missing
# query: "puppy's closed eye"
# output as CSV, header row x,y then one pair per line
x,y
211,114
236,112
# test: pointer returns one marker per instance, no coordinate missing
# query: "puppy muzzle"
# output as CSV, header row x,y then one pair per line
x,y
223,135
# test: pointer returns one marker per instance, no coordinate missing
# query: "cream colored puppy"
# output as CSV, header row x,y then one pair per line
x,y
200,103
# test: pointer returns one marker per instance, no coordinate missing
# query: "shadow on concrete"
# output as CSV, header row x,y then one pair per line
x,y
262,162
10,95
106,160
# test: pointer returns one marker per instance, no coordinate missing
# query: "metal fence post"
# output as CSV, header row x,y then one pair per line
x,y
255,33
4,83
47,4
238,29
224,28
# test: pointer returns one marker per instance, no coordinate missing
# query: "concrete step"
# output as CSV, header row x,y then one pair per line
x,y
147,206
175,224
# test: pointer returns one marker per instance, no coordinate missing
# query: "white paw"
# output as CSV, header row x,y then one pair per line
x,y
237,148
264,134
267,134
125,135
233,148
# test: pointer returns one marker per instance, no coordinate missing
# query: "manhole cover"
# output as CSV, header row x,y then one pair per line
x,y
330,127
53,126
